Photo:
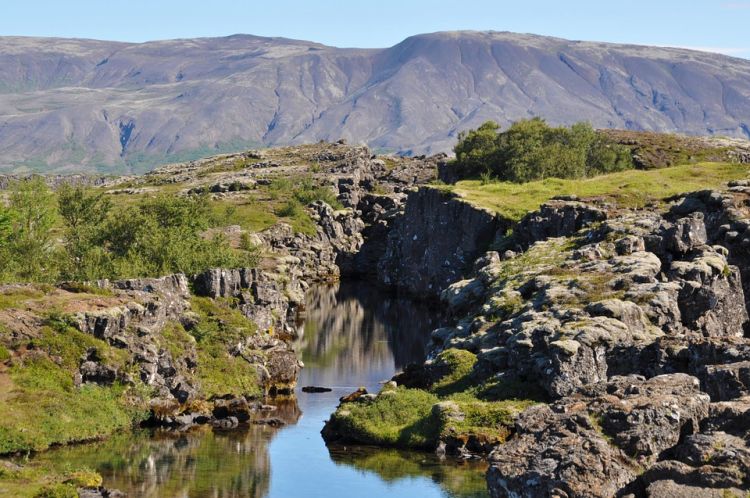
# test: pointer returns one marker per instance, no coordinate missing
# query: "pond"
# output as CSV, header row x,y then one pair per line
x,y
353,335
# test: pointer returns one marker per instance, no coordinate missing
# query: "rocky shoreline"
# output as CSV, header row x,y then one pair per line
x,y
608,347
630,324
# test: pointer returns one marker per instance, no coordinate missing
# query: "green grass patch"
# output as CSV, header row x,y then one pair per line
x,y
35,479
633,188
408,418
45,408
459,364
247,212
399,418
16,296
59,339
221,326
219,374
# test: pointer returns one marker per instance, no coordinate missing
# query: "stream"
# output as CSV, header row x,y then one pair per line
x,y
353,335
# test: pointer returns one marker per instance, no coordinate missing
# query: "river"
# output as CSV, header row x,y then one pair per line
x,y
353,335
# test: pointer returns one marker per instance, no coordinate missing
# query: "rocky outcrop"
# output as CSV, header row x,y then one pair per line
x,y
557,218
270,299
632,324
136,327
594,443
337,236
435,243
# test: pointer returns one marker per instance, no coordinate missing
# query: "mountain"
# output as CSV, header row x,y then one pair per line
x,y
82,105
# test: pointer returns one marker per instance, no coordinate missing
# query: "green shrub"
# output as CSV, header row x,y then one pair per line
x,y
532,150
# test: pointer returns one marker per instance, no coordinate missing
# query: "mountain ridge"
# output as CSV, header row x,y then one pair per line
x,y
90,105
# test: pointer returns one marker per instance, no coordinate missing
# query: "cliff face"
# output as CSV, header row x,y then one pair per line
x,y
629,325
125,107
626,329
435,243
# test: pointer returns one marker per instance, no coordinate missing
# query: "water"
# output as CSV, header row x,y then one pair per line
x,y
353,336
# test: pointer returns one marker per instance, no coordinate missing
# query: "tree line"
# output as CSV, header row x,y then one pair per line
x,y
78,234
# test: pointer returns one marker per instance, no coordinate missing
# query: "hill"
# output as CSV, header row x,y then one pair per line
x,y
85,105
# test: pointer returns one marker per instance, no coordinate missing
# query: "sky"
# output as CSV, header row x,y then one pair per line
x,y
712,25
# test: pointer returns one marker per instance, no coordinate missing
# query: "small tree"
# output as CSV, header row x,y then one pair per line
x,y
84,214
476,147
32,214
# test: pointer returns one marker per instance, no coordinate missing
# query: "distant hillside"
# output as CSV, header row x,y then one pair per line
x,y
84,105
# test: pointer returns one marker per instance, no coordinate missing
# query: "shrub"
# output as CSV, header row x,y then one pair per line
x,y
532,150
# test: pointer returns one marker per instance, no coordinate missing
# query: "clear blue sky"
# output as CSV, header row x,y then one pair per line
x,y
715,25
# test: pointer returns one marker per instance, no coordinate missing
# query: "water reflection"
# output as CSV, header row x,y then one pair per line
x,y
353,335
199,462
460,479
353,331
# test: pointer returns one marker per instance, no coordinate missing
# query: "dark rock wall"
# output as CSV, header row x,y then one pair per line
x,y
435,243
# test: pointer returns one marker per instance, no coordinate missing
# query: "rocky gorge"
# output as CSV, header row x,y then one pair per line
x,y
593,348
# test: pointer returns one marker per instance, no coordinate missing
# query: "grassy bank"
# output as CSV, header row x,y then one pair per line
x,y
633,188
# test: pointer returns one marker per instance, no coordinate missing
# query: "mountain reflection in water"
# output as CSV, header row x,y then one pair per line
x,y
354,335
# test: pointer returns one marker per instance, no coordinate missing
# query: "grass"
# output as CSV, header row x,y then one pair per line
x,y
405,418
459,364
15,296
633,188
402,418
44,408
220,326
40,480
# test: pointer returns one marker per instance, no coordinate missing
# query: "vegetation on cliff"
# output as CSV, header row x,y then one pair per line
x,y
77,234
629,189
41,406
532,150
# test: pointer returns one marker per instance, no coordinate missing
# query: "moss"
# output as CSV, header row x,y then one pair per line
x,y
176,340
58,491
221,374
219,322
597,423
459,364
35,478
16,296
407,418
490,420
220,327
399,418
59,339
84,479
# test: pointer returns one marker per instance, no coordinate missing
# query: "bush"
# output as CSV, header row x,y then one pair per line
x,y
28,244
533,150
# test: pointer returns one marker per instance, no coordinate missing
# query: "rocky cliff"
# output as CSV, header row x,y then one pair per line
x,y
626,329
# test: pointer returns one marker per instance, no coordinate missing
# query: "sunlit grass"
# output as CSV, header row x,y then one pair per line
x,y
633,188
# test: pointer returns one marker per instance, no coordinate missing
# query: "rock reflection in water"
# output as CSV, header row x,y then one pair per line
x,y
352,328
196,463
459,479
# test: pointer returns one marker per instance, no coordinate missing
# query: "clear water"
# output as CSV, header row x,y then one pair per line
x,y
353,336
